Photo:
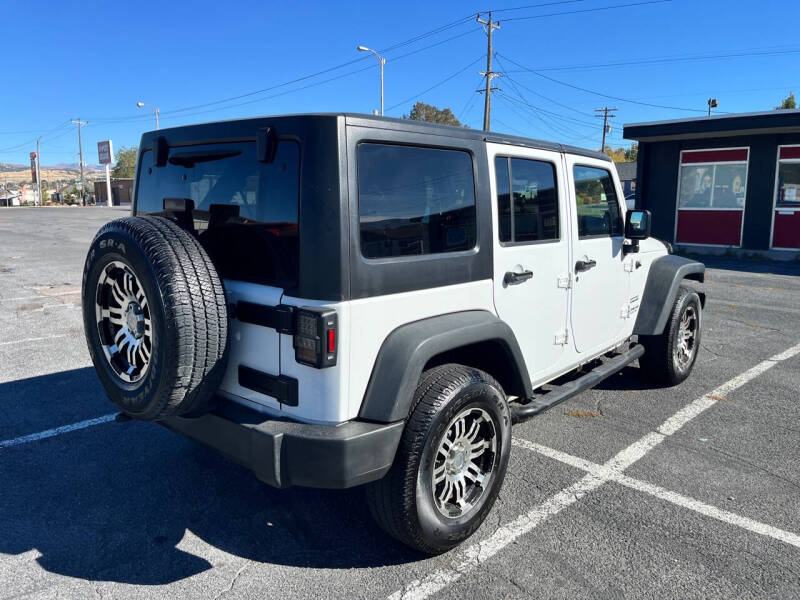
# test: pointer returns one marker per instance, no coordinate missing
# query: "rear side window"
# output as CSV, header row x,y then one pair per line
x,y
527,200
414,200
245,212
597,206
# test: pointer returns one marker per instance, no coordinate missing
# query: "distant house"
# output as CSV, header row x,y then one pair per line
x,y
121,192
9,198
627,177
725,181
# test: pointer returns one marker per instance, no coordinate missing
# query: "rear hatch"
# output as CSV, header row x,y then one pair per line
x,y
245,214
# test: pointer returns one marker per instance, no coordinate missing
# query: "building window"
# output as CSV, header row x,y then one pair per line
x,y
597,204
713,179
526,190
788,178
414,200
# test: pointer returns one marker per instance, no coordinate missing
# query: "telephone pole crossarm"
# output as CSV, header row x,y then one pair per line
x,y
606,113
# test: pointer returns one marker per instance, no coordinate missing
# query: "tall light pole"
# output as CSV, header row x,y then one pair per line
x,y
80,123
155,110
381,62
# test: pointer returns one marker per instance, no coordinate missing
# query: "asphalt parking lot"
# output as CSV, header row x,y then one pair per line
x,y
625,491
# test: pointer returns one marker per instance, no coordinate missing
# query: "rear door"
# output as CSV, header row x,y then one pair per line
x,y
531,251
245,214
600,281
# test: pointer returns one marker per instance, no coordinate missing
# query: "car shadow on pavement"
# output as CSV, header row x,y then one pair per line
x,y
628,378
134,503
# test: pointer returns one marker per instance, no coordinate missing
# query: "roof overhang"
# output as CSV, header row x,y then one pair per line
x,y
761,123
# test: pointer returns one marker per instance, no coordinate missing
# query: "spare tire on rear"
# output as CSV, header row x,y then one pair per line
x,y
155,318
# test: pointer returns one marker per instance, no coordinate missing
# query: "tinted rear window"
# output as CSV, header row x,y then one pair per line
x,y
245,212
414,200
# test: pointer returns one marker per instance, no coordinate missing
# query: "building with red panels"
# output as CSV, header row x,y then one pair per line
x,y
729,181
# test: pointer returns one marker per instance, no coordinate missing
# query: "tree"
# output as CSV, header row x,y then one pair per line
x,y
787,102
432,114
617,155
632,153
125,166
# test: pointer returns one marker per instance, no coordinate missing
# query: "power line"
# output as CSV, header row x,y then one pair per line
x,y
665,60
497,10
585,10
561,104
318,73
433,87
596,93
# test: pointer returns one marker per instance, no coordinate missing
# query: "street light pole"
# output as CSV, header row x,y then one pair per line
x,y
155,110
39,172
381,63
79,123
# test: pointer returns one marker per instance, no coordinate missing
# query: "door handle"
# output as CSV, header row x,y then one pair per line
x,y
512,278
585,265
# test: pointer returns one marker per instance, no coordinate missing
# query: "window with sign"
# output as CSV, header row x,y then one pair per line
x,y
788,184
713,179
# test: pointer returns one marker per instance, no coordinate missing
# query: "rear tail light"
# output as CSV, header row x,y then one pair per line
x,y
315,337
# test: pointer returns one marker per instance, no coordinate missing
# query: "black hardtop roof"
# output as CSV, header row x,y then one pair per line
x,y
217,129
771,121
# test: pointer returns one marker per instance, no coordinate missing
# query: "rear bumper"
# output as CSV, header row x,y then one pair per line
x,y
283,453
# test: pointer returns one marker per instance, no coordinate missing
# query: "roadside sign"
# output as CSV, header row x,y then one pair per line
x,y
105,153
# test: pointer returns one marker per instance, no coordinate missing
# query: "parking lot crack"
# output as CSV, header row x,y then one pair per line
x,y
741,459
236,577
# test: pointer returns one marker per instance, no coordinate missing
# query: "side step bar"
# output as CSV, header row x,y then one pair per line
x,y
523,412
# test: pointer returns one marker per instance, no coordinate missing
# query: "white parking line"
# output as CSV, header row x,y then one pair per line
x,y
35,339
48,433
472,556
708,510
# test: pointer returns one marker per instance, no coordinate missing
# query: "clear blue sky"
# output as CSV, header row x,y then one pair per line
x,y
94,60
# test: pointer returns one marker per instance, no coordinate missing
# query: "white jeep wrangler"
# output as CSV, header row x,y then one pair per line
x,y
337,300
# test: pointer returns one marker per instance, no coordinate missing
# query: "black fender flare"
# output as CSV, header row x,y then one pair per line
x,y
407,349
661,289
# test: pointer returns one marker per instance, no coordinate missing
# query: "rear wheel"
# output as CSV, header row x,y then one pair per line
x,y
451,461
670,356
155,318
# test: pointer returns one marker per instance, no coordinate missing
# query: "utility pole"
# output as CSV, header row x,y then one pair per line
x,y
78,122
488,74
38,172
606,114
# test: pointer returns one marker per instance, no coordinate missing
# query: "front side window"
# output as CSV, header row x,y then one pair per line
x,y
788,185
597,205
414,200
244,212
527,200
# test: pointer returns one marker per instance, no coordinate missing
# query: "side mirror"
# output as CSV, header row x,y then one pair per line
x,y
637,224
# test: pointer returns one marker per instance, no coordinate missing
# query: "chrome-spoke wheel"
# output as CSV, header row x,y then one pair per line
x,y
685,343
464,462
123,322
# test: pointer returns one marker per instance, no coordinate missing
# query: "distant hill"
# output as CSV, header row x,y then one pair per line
x,y
20,174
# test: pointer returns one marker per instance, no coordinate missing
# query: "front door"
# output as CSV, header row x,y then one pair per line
x,y
600,281
531,252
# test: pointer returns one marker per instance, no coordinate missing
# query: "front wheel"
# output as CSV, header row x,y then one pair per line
x,y
669,357
451,461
